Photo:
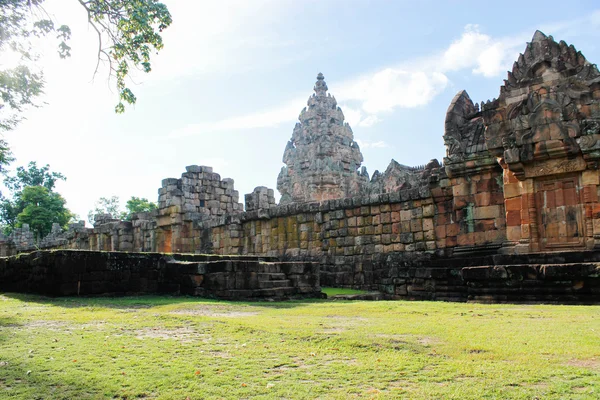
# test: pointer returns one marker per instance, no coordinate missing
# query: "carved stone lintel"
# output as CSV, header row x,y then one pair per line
x,y
553,167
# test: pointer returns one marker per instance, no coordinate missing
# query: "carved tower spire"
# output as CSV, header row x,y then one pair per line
x,y
322,159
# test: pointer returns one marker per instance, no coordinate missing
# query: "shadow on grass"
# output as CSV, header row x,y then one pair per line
x,y
148,301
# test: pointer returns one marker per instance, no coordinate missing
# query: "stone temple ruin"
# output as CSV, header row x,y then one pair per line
x,y
512,214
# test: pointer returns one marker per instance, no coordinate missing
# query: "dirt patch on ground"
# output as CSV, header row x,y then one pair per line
x,y
182,334
54,326
219,354
427,340
216,311
591,363
407,338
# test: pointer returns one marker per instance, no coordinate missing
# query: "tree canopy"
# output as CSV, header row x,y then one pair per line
x,y
33,176
138,204
128,32
111,205
40,208
33,201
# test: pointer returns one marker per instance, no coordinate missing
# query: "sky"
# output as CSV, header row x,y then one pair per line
x,y
233,76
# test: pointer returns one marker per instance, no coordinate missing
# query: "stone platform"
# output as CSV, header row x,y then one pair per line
x,y
76,272
571,277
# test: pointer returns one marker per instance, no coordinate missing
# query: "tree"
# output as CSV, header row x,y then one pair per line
x,y
106,205
40,209
33,176
33,201
111,205
128,32
137,205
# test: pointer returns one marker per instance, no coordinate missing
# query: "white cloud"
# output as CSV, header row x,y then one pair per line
x,y
369,121
391,87
485,55
356,118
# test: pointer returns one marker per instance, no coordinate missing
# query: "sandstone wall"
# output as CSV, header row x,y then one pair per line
x,y
350,237
68,273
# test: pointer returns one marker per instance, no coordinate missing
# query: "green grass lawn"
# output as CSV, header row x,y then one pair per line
x,y
329,291
178,348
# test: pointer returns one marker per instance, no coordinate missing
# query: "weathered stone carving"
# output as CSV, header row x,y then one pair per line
x,y
466,151
400,177
463,132
544,107
322,159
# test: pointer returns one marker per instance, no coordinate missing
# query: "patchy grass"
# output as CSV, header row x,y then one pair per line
x,y
178,348
329,291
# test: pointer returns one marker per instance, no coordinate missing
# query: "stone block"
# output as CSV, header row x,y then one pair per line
x,y
488,212
427,224
428,210
512,190
513,218
462,189
513,233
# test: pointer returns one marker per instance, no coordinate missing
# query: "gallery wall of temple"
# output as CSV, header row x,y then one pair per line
x,y
520,176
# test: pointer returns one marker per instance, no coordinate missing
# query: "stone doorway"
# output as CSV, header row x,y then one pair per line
x,y
559,212
165,241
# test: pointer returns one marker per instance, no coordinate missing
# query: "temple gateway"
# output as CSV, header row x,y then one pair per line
x,y
512,213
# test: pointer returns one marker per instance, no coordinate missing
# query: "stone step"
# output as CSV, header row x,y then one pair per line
x,y
274,276
274,284
275,292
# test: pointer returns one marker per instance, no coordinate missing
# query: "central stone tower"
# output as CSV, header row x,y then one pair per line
x,y
322,159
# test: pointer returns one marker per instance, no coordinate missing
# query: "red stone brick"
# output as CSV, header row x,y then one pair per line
x,y
509,177
495,236
513,218
465,239
440,231
525,217
484,225
461,201
513,204
590,194
484,185
482,199
441,219
452,229
596,211
496,198
479,237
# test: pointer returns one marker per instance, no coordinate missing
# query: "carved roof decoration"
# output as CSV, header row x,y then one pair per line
x,y
463,128
322,159
543,53
550,98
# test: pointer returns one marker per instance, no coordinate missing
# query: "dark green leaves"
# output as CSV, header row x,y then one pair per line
x,y
131,29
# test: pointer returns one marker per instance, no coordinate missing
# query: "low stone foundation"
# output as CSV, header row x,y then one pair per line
x,y
69,272
559,278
